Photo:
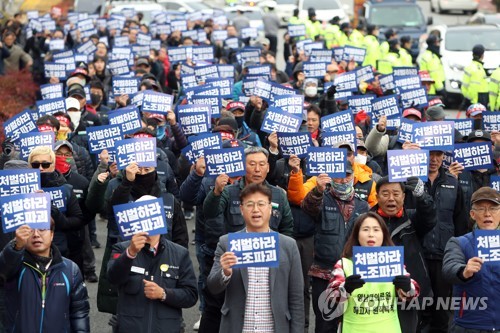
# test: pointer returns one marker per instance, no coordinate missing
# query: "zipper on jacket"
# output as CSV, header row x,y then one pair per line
x,y
44,295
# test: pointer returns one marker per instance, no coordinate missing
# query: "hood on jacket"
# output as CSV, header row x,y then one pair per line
x,y
362,173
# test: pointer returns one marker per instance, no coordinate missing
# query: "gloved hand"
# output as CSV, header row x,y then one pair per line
x,y
402,282
416,185
8,147
353,282
331,91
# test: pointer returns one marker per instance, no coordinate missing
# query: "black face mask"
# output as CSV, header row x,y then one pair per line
x,y
95,99
239,121
47,177
144,184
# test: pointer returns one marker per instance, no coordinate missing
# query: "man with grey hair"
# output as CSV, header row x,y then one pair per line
x,y
224,200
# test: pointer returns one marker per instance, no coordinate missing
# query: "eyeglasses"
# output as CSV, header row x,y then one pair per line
x,y
68,154
45,165
251,205
483,210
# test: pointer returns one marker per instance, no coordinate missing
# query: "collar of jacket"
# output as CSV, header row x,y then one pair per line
x,y
56,257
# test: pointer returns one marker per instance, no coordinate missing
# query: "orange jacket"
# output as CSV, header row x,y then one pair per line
x,y
297,190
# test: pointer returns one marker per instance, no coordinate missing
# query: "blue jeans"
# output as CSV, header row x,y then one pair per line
x,y
202,279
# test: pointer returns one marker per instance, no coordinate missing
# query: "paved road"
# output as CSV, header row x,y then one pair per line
x,y
99,320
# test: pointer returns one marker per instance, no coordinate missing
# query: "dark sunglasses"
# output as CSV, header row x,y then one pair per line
x,y
36,165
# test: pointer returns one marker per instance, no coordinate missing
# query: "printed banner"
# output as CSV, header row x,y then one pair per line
x,y
331,161
314,69
378,263
407,163
338,122
474,156
435,135
51,106
54,69
354,53
405,132
21,123
296,30
32,209
103,137
405,71
125,85
140,150
387,82
58,196
199,143
214,102
143,216
119,66
386,106
255,249
360,103
346,82
277,120
414,98
488,246
194,122
495,182
51,91
329,139
229,161
19,181
29,141
156,102
293,104
491,121
128,118
294,144
321,55
365,74
464,126
269,91
407,82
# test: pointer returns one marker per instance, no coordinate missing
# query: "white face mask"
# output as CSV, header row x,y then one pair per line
x,y
75,117
311,91
360,159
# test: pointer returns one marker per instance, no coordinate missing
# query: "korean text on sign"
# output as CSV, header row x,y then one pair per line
x,y
199,143
329,139
339,121
435,135
495,183
230,161
195,122
294,144
32,209
31,140
488,245
103,137
293,104
331,161
128,118
407,163
256,249
19,181
378,264
405,132
19,124
141,150
58,195
474,156
143,216
277,120
386,106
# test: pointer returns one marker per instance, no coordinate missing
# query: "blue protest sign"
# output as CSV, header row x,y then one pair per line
x,y
491,121
194,122
276,120
488,246
405,71
378,263
464,126
414,98
128,118
339,121
329,139
314,69
125,85
144,39
215,103
156,102
58,196
205,53
19,181
293,104
434,135
346,82
204,72
32,209
309,47
29,141
249,32
321,55
268,90
87,48
405,132
229,161
219,35
225,86
178,25
393,122
338,54
232,43
50,106
386,106
21,123
354,53
448,159
103,137
249,85
193,108
365,74
473,156
51,91
177,54
387,82
248,55
199,143
56,45
360,103
143,216
407,163
139,150
226,71
140,50
254,249
188,81
331,161
54,69
296,30
294,144
119,67
259,70
407,82
495,182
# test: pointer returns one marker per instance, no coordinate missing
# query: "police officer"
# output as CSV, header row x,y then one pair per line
x,y
331,32
405,52
334,205
384,46
494,90
372,46
431,62
475,81
391,59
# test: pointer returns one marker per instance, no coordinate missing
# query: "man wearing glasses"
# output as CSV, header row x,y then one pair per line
x,y
474,279
68,235
45,292
267,299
